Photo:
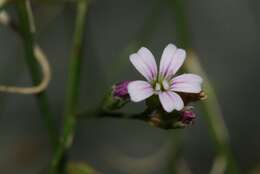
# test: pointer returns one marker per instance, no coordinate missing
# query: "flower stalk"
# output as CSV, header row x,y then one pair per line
x,y
27,31
72,89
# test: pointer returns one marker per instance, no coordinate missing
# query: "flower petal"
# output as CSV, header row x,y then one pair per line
x,y
189,83
145,63
186,87
170,101
148,59
139,90
171,60
193,78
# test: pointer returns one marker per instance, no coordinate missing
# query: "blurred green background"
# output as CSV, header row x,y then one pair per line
x,y
225,35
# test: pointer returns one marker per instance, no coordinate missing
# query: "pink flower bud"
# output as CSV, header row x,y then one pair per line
x,y
120,89
187,116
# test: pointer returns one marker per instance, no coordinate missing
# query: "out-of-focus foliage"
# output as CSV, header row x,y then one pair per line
x,y
80,168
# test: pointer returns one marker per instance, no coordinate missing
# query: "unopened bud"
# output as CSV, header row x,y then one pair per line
x,y
117,97
120,89
187,116
192,97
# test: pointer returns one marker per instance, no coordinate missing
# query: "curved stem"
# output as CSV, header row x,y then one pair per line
x,y
43,84
40,57
27,31
72,89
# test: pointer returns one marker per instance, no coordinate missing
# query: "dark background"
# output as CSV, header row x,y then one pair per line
x,y
225,34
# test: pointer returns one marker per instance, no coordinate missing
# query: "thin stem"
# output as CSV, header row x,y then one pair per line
x,y
212,114
211,107
28,34
72,89
44,64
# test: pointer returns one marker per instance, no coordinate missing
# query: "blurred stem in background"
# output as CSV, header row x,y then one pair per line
x,y
210,108
3,4
72,89
27,30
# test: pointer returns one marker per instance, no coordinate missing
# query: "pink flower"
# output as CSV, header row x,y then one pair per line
x,y
162,83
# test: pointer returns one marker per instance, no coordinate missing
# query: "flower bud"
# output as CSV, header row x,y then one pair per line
x,y
117,97
187,116
120,89
192,97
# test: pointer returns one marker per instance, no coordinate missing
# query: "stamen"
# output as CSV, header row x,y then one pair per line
x,y
157,88
166,85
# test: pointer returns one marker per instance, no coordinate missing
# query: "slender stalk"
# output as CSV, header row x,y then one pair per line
x,y
211,108
212,114
27,28
72,89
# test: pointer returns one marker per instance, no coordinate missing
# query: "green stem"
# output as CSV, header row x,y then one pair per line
x,y
212,113
211,108
28,34
72,89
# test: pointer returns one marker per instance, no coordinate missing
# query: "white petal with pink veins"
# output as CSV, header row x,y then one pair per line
x,y
189,83
145,63
186,88
148,59
170,101
187,78
171,60
139,90
166,58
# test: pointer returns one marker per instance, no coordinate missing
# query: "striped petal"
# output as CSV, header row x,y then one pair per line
x,y
145,63
139,90
189,83
193,78
171,60
170,101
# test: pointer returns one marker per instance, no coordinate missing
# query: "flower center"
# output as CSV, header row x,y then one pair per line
x,y
157,87
166,85
161,86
